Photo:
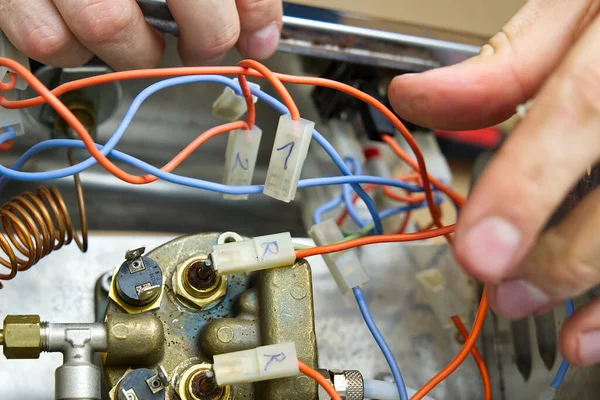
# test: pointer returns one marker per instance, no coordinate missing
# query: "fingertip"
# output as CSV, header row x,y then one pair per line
x,y
262,44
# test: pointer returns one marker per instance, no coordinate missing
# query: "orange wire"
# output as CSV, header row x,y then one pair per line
x,y
6,145
249,100
389,192
485,377
11,84
276,83
311,373
462,354
405,221
396,237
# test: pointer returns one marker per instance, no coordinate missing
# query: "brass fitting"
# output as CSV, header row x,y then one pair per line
x,y
198,383
134,340
21,336
201,293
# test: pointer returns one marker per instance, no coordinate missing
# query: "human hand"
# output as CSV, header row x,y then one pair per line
x,y
550,50
67,33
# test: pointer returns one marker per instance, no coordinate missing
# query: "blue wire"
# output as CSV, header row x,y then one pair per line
x,y
347,191
387,353
206,185
564,365
322,209
136,103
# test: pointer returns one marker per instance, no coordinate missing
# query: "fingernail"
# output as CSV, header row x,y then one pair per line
x,y
589,347
262,44
518,298
490,247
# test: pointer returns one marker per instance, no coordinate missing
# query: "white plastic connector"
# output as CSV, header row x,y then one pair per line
x,y
11,118
254,365
287,158
442,299
344,266
262,252
240,159
229,106
8,50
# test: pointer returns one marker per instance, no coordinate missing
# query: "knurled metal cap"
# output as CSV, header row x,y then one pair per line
x,y
355,388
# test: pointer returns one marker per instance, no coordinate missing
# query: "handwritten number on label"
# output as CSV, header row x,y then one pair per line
x,y
269,247
274,357
291,146
238,160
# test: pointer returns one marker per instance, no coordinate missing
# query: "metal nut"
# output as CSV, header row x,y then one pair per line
x,y
22,334
196,299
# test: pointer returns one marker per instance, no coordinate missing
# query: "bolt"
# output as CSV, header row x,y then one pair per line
x,y
201,275
203,386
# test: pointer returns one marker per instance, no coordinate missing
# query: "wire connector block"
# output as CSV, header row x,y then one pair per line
x,y
287,158
262,252
255,365
443,300
11,119
230,106
8,50
344,266
240,159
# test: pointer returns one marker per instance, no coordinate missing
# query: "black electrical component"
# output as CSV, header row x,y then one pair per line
x,y
141,384
374,122
139,281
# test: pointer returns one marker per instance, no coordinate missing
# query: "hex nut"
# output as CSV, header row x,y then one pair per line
x,y
193,300
22,334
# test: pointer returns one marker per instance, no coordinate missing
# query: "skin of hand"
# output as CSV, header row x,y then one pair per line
x,y
549,51
67,33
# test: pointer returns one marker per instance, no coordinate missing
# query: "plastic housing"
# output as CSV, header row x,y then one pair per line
x,y
256,254
240,159
344,266
231,107
254,365
11,118
287,158
8,50
442,299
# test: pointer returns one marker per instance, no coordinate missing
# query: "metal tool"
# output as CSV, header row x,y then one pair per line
x,y
348,41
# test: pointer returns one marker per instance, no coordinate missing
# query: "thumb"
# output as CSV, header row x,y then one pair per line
x,y
486,89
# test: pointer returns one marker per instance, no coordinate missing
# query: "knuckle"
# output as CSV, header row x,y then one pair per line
x,y
43,42
221,41
103,21
255,6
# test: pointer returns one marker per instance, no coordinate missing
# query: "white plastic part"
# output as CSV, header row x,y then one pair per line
x,y
344,266
287,158
262,252
443,300
229,106
254,365
548,394
11,118
240,159
8,50
436,162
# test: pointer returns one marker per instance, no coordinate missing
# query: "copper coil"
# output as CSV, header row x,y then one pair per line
x,y
34,225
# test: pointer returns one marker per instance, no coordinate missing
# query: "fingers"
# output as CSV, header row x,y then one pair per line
x,y
564,263
486,89
580,336
261,22
37,29
207,29
546,154
115,30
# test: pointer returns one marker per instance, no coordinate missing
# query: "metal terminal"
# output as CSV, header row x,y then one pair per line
x,y
155,384
128,394
197,285
349,384
198,383
134,259
162,374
